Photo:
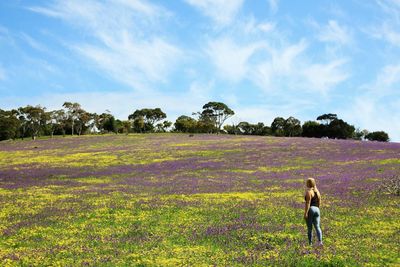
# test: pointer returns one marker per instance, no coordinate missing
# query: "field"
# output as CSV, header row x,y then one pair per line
x,y
175,200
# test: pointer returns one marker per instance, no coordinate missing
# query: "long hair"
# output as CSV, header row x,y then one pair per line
x,y
313,186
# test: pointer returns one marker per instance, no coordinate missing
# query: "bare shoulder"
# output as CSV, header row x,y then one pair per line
x,y
308,194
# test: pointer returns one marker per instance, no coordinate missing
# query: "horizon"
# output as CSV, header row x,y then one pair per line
x,y
264,59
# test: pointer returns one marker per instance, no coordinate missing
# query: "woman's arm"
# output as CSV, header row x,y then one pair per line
x,y
307,207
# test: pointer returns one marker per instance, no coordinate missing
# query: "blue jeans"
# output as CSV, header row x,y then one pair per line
x,y
314,219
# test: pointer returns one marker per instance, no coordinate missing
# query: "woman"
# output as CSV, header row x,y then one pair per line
x,y
311,211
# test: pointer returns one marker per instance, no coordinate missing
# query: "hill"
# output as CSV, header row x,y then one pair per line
x,y
171,199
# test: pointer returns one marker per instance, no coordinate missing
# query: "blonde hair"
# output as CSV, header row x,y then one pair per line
x,y
310,182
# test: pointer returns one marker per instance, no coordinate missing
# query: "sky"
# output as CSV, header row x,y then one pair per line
x,y
263,58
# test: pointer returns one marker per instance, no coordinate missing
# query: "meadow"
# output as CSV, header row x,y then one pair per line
x,y
206,200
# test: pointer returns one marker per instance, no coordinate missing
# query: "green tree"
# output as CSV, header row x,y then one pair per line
x,y
9,125
246,128
327,118
312,129
139,124
380,136
127,125
110,124
35,118
292,127
61,118
278,126
83,120
185,124
73,110
340,129
231,129
218,112
149,117
162,127
359,135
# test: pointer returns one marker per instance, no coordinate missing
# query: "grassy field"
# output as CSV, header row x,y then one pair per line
x,y
207,200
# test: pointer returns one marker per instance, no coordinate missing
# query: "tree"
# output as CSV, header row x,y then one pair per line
x,y
278,126
23,122
246,128
312,129
218,112
82,122
327,118
340,129
51,121
72,111
360,135
127,125
62,119
380,136
231,129
149,117
35,118
110,124
185,124
163,126
138,124
292,127
205,123
9,125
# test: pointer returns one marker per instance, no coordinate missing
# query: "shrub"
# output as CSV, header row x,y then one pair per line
x,y
380,136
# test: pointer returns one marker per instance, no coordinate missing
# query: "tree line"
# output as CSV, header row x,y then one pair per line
x,y
72,119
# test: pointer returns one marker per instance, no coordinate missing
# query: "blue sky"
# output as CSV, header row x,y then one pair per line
x,y
264,58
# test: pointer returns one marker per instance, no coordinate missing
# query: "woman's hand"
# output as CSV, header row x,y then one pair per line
x,y
305,216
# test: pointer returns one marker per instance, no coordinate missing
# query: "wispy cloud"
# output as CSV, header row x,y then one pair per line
x,y
126,45
335,33
387,29
277,69
323,77
33,43
231,59
376,107
273,5
389,76
252,26
222,12
386,32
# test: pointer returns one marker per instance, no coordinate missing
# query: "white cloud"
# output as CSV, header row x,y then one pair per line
x,y
281,63
222,12
389,76
322,77
33,43
387,28
387,33
368,113
251,26
136,63
376,107
275,68
142,7
126,44
335,33
230,58
273,5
